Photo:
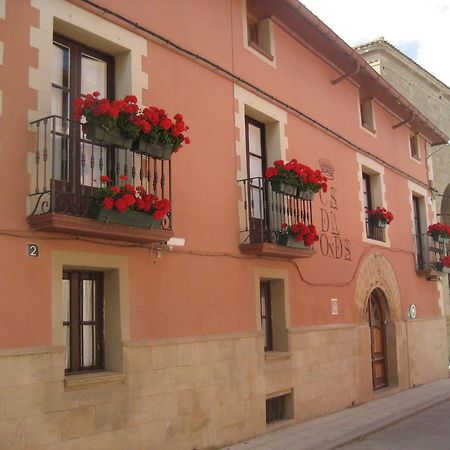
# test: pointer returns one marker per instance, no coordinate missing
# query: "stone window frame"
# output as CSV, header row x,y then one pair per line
x,y
414,147
116,305
275,121
281,323
422,194
265,47
378,187
367,118
65,18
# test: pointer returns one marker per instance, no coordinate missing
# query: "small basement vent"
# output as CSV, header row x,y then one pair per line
x,y
279,408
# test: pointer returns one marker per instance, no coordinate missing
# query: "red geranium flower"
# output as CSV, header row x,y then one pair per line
x,y
108,203
121,205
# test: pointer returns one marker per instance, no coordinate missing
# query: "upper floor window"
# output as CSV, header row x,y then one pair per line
x,y
259,33
418,207
77,70
372,230
367,115
256,167
414,146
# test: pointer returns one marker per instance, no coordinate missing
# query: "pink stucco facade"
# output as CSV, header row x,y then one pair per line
x,y
207,290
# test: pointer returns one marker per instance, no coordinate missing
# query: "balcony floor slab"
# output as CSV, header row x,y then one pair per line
x,y
277,251
82,226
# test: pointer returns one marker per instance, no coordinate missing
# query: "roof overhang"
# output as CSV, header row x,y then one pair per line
x,y
311,31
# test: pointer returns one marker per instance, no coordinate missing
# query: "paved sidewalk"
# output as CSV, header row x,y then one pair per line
x,y
334,430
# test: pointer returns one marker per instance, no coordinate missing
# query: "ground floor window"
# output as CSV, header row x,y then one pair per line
x,y
273,315
279,408
83,313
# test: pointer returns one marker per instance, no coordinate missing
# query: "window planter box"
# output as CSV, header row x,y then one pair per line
x,y
442,239
132,218
378,223
96,133
442,268
306,195
157,151
282,188
289,241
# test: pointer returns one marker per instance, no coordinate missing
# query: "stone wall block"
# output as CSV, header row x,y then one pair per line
x,y
42,429
110,416
164,356
78,422
137,359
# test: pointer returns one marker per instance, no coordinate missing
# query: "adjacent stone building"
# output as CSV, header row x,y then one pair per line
x,y
432,98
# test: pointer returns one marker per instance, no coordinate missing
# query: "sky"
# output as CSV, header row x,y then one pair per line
x,y
418,28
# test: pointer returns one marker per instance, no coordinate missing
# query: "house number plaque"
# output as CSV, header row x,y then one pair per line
x,y
33,250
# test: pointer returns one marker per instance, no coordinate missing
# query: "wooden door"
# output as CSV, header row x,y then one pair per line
x,y
256,167
77,71
378,341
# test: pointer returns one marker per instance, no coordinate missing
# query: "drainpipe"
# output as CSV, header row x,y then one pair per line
x,y
349,74
407,120
331,36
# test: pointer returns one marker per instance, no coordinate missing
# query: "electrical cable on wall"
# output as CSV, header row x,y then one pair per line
x,y
23,234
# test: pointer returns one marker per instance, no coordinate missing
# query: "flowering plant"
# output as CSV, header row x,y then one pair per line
x,y
445,261
298,175
301,232
380,214
439,229
127,197
121,114
157,128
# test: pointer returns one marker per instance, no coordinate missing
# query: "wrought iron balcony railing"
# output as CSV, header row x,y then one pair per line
x,y
429,254
264,211
375,232
67,168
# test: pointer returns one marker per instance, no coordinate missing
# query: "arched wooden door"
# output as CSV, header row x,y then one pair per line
x,y
378,341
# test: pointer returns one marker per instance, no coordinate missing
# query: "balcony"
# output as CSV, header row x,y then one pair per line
x,y
428,256
374,232
262,212
66,170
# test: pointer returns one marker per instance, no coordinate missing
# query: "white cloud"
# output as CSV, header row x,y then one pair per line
x,y
398,21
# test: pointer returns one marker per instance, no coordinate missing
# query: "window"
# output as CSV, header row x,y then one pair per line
x,y
256,167
258,31
272,312
367,115
78,70
372,231
279,408
83,321
414,146
418,232
266,315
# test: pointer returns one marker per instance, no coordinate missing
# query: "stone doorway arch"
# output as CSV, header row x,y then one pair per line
x,y
377,272
377,277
